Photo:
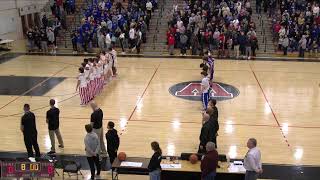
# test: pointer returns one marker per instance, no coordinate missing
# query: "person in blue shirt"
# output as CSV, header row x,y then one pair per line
x,y
74,38
108,5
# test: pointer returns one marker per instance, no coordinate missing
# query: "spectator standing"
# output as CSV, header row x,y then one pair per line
x,y
44,40
56,29
242,40
236,46
209,162
30,37
101,40
74,37
53,126
29,130
171,42
121,39
113,141
154,164
92,149
302,46
285,44
248,47
254,46
37,38
97,125
252,160
132,38
138,40
51,40
183,44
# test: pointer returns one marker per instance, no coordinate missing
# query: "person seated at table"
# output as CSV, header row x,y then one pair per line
x,y
209,162
154,164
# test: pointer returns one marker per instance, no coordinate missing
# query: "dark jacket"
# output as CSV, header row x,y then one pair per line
x,y
207,132
28,121
113,140
155,161
209,163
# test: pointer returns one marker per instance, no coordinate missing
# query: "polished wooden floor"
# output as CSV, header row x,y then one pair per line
x,y
279,104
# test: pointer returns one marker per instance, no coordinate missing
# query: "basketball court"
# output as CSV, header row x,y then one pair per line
x,y
278,103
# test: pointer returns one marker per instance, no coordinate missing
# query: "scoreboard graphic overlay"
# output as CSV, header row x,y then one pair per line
x,y
25,169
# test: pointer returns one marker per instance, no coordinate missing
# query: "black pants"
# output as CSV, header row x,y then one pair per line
x,y
74,46
29,141
253,52
94,160
285,50
121,44
112,155
301,52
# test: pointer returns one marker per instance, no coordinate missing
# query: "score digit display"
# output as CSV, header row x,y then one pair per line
x,y
27,169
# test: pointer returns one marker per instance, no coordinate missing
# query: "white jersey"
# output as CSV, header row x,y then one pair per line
x,y
92,72
99,69
205,85
87,73
82,79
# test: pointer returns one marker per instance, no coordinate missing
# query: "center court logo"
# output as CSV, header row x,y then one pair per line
x,y
192,91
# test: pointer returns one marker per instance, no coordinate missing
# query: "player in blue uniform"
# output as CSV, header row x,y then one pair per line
x,y
205,87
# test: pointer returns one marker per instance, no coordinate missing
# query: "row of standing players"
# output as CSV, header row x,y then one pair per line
x,y
94,73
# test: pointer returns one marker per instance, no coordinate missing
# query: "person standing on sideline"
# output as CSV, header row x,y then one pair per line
x,y
53,126
29,130
97,125
213,103
205,85
114,61
209,162
214,120
207,133
113,141
92,148
154,164
252,160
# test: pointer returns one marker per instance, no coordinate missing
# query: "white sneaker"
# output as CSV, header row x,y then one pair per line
x,y
123,52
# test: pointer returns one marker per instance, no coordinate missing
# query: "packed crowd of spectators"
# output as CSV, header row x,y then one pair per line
x,y
296,26
44,38
107,23
207,25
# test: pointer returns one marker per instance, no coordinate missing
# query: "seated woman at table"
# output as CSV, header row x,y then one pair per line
x,y
154,164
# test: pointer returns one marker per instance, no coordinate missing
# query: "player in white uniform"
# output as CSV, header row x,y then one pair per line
x,y
100,75
82,86
91,78
205,85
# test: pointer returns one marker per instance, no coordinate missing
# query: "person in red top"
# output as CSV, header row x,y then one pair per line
x,y
171,42
209,162
276,29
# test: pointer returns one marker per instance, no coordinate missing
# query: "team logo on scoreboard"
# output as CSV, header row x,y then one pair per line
x,y
192,91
